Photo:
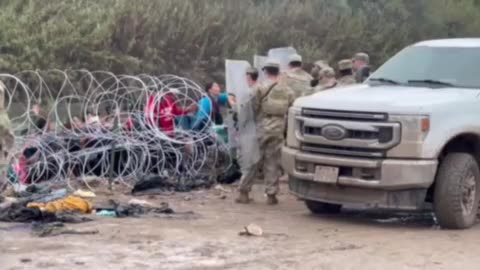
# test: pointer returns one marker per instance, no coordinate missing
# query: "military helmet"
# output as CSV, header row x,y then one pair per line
x,y
327,73
294,58
321,64
361,56
251,70
272,63
345,64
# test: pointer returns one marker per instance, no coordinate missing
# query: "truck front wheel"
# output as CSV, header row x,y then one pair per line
x,y
322,208
456,193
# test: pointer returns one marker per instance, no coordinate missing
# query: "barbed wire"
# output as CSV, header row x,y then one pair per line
x,y
96,125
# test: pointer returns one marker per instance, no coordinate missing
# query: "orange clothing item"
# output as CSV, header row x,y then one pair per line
x,y
70,203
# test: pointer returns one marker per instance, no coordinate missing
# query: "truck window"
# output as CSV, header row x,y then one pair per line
x,y
458,66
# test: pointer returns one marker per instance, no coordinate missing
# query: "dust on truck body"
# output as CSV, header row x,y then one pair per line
x,y
407,138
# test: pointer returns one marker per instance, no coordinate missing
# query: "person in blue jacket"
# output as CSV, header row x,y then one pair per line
x,y
209,107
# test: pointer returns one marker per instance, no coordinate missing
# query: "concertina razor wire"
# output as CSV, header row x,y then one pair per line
x,y
85,133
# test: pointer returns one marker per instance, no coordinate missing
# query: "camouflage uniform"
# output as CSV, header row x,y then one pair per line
x,y
272,101
317,67
298,80
326,74
346,65
363,73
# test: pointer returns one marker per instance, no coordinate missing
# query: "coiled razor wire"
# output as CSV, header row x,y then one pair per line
x,y
67,148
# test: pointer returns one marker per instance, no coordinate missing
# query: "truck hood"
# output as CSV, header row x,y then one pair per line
x,y
387,98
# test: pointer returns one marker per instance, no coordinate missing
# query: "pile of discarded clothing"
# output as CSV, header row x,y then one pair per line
x,y
45,205
47,210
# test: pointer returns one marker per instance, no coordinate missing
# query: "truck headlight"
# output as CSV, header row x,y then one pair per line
x,y
293,126
415,128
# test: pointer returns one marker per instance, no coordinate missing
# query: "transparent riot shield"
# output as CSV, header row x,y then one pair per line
x,y
245,133
282,55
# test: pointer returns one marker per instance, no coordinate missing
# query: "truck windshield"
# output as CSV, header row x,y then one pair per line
x,y
432,66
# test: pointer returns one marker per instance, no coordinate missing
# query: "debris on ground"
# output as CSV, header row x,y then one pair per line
x,y
22,214
139,202
38,194
157,184
221,188
25,260
57,228
71,217
71,203
7,202
84,194
344,247
106,213
252,230
136,210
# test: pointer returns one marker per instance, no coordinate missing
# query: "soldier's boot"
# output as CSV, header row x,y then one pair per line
x,y
242,198
272,199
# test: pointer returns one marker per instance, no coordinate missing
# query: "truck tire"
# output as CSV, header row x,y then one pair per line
x,y
456,192
322,208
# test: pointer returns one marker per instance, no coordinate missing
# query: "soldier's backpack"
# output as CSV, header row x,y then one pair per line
x,y
276,101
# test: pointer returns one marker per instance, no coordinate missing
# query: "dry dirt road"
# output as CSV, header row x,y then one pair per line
x,y
293,239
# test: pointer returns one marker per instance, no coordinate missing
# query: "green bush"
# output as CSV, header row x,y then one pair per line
x,y
193,37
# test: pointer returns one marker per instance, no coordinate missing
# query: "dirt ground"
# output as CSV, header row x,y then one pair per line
x,y
293,239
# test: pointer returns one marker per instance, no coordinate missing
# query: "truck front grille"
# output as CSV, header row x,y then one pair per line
x,y
343,151
344,115
361,134
352,134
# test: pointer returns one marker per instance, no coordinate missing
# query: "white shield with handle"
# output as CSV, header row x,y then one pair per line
x,y
245,133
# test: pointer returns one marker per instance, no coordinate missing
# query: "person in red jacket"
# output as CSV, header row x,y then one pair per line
x,y
162,109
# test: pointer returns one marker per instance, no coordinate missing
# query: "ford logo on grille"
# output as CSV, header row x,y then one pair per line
x,y
334,132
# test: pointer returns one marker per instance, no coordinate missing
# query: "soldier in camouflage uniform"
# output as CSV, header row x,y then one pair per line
x,y
271,103
296,78
345,68
328,80
361,62
316,70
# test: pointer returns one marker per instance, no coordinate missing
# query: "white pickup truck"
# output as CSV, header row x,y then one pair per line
x,y
407,138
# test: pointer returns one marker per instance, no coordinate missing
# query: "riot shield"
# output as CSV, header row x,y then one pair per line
x,y
282,55
245,133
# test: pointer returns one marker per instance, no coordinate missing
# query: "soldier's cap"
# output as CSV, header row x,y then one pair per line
x,y
321,64
327,72
294,58
361,56
251,70
272,63
345,64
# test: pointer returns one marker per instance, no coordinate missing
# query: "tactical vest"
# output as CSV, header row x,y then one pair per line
x,y
276,101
